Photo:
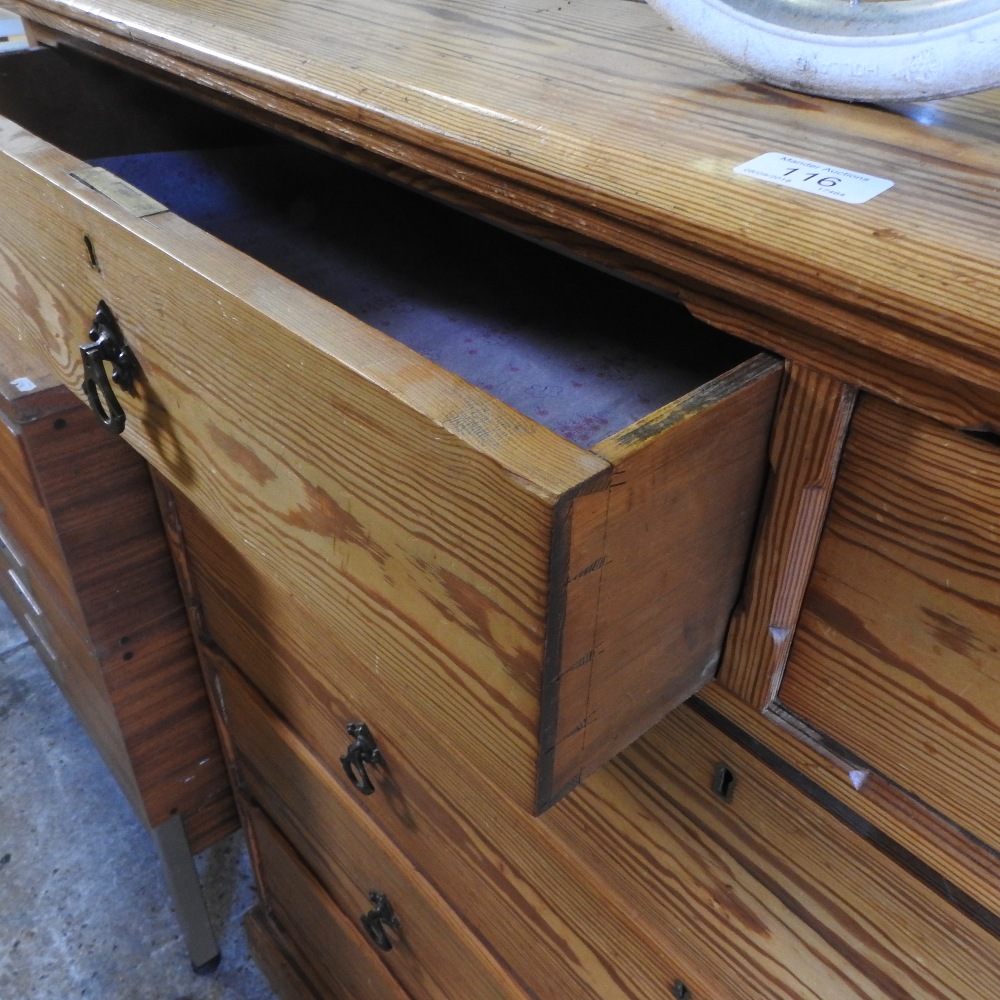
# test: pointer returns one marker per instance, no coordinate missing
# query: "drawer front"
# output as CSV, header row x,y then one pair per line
x,y
895,657
25,528
18,596
756,890
493,865
431,952
18,483
335,956
493,554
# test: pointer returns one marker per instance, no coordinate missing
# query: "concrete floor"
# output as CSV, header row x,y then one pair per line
x,y
83,907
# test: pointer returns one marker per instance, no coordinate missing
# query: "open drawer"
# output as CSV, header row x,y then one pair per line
x,y
521,490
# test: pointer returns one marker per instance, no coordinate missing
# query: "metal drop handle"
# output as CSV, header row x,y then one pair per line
x,y
107,345
362,751
376,920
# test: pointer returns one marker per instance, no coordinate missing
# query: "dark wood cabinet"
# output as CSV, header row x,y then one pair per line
x,y
88,573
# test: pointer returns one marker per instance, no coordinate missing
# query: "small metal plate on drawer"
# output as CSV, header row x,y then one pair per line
x,y
120,192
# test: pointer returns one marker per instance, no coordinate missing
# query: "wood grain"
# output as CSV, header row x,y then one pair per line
x,y
770,866
641,861
423,505
809,431
660,579
28,387
895,655
908,830
306,664
343,965
801,339
506,875
443,797
593,118
81,513
900,378
479,852
647,165
109,533
433,954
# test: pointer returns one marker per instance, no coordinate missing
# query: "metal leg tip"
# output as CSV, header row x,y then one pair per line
x,y
207,968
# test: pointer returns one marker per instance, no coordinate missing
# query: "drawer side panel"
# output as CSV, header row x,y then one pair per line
x,y
652,578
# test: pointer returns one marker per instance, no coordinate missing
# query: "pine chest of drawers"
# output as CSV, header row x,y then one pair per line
x,y
461,521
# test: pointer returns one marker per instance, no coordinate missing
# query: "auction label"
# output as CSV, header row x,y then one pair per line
x,y
815,178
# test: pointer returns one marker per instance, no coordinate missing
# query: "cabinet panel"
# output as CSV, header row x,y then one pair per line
x,y
93,583
896,654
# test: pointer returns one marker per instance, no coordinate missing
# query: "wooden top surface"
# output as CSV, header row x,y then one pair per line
x,y
597,115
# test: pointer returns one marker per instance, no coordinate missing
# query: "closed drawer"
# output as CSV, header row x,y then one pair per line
x,y
18,486
430,951
35,582
24,527
895,657
19,597
331,951
559,573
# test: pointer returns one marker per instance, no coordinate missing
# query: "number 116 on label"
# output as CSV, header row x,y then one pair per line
x,y
848,186
825,180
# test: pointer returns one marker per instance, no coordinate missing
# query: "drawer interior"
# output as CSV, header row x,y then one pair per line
x,y
578,351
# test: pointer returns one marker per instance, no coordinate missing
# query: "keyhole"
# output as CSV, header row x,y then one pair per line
x,y
724,782
91,253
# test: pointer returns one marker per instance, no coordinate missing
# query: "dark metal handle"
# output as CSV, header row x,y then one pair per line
x,y
376,920
362,751
107,345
